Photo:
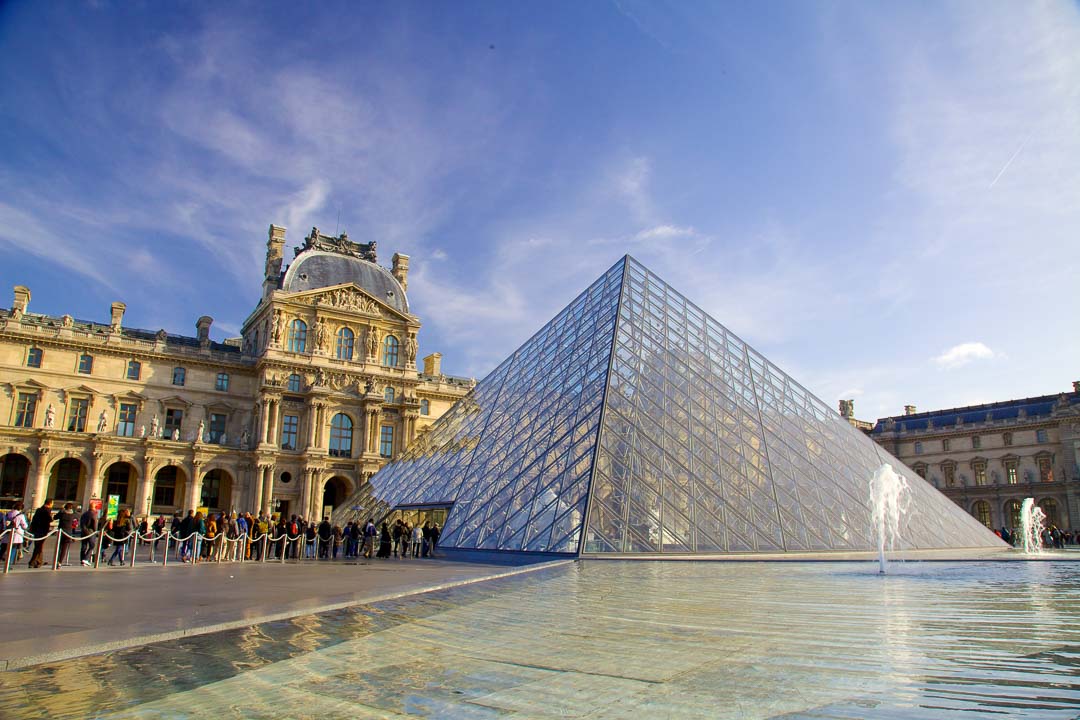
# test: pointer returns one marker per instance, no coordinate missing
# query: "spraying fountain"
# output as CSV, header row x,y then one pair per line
x,y
888,495
1032,524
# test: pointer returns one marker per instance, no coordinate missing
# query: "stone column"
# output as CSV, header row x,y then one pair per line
x,y
268,488
305,495
93,481
315,499
256,475
35,491
313,425
320,422
373,430
143,489
195,487
264,421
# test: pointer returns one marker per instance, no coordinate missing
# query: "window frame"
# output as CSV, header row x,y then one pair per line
x,y
179,372
76,422
389,395
386,441
221,382
425,406
290,430
25,408
217,427
296,342
345,343
34,357
391,348
85,365
137,367
167,427
341,436
126,415
294,384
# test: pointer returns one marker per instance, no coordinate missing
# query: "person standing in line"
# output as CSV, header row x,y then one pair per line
x,y
120,531
384,541
427,540
406,539
158,529
87,527
69,525
417,539
435,533
16,523
39,528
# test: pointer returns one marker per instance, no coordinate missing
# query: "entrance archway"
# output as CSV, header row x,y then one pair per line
x,y
65,481
120,478
335,492
170,489
216,490
14,472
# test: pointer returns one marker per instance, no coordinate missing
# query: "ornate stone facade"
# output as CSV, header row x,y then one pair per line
x,y
988,458
319,392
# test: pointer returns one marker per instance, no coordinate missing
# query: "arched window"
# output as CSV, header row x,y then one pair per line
x,y
345,339
134,370
294,383
390,351
1012,512
981,511
1050,508
297,336
388,394
425,407
341,431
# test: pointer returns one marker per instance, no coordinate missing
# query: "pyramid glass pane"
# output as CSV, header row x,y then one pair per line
x,y
635,424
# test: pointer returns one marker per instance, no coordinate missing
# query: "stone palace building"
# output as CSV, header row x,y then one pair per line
x,y
320,391
988,458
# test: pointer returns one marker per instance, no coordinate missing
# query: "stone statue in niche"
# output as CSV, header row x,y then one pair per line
x,y
142,431
155,427
201,432
244,439
411,348
372,342
50,417
101,422
67,321
276,330
322,334
176,434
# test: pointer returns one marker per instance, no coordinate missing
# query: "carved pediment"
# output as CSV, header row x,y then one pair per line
x,y
350,298
174,400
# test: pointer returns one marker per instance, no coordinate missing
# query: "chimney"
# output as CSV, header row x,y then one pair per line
x,y
1076,383
202,325
400,270
847,408
21,301
909,409
275,246
433,364
117,311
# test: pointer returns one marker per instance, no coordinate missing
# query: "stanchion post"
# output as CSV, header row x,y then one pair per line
x,y
56,553
134,547
262,556
97,548
10,549
165,557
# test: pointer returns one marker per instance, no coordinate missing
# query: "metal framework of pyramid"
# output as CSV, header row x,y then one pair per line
x,y
634,423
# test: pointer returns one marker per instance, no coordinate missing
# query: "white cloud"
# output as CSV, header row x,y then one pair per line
x,y
665,232
964,353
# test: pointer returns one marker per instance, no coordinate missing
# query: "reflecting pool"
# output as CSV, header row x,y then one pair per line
x,y
609,639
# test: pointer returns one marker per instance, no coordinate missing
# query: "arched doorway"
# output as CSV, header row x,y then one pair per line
x,y
216,493
120,479
65,481
981,511
335,492
14,472
170,486
1050,509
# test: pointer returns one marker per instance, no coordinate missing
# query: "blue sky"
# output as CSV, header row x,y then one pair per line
x,y
883,198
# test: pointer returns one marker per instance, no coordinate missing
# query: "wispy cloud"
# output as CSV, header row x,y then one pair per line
x,y
963,354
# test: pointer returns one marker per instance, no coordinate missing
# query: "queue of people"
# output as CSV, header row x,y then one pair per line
x,y
219,537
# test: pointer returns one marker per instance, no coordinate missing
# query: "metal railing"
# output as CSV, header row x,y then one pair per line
x,y
195,548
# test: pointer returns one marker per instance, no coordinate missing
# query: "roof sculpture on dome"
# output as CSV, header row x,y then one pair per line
x,y
340,245
635,424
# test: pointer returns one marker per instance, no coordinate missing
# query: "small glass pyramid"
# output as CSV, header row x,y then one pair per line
x,y
633,423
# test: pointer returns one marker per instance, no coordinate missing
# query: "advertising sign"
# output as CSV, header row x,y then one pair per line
x,y
95,505
114,507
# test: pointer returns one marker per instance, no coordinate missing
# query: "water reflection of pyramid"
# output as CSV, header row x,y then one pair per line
x,y
635,423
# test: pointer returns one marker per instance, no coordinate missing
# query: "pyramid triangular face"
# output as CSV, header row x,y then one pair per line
x,y
633,423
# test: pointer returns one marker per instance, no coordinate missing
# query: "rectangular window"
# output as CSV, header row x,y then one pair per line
x,y
1042,436
80,408
222,382
86,364
165,486
179,376
174,419
217,427
976,442
125,425
1046,471
918,448
386,441
25,410
290,425
945,446
33,358
980,473
1010,472
134,370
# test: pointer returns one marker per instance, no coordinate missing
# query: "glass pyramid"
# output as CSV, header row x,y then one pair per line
x,y
634,423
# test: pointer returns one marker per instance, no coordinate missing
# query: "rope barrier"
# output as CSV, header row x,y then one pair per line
x,y
189,547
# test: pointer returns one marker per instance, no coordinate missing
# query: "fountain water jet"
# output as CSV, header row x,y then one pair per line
x,y
888,495
1032,524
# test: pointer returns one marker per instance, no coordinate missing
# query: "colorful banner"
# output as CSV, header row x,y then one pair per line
x,y
114,507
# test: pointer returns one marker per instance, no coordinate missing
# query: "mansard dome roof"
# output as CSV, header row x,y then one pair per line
x,y
313,269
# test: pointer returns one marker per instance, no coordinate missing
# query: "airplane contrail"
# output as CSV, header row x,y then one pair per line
x,y
1009,162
